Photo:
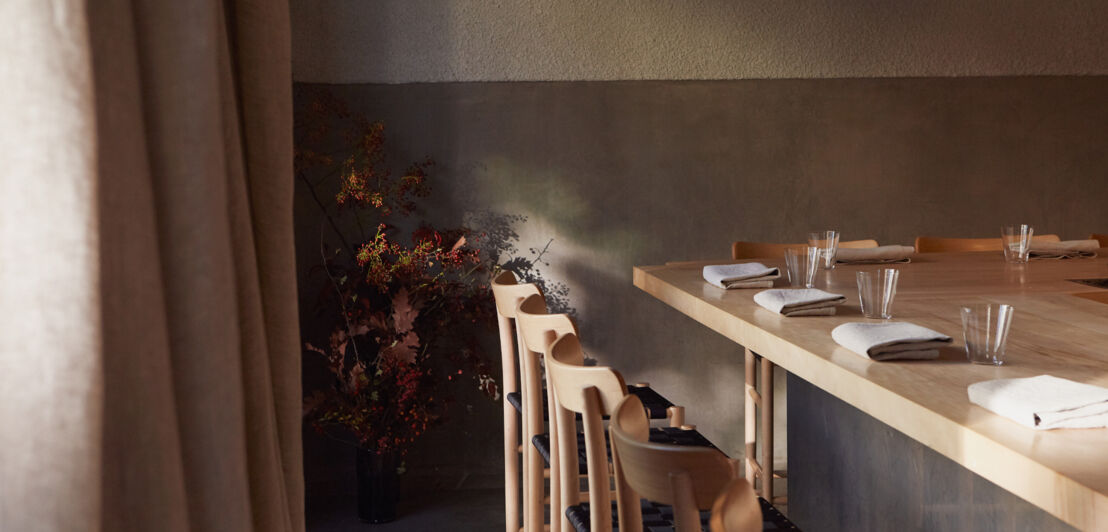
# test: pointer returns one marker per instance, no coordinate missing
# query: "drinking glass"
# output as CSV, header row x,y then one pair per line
x,y
985,330
826,243
1017,242
813,267
796,265
876,291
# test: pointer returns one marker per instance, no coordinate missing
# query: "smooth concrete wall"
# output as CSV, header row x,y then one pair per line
x,y
398,41
640,172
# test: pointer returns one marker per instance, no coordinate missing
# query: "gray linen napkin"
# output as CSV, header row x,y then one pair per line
x,y
1066,249
745,275
1044,402
890,340
877,255
799,301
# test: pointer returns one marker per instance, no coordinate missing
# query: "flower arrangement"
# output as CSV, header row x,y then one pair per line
x,y
406,305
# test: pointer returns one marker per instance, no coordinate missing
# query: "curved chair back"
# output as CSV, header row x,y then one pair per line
x,y
593,392
736,509
761,250
934,244
688,478
537,328
1103,239
537,331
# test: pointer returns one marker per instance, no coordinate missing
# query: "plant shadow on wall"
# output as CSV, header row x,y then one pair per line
x,y
407,311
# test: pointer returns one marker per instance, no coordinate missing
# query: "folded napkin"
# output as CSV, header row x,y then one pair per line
x,y
877,255
1066,249
1044,402
800,302
746,275
890,340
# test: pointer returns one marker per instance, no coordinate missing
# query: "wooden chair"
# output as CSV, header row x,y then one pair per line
x,y
762,250
537,331
688,478
934,244
736,509
1103,239
592,392
508,293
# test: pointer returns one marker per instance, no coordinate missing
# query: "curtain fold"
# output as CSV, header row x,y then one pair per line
x,y
150,370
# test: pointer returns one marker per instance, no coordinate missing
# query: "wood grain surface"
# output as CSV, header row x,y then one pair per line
x,y
1064,472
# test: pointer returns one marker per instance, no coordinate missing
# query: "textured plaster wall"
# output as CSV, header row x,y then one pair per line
x,y
626,173
356,41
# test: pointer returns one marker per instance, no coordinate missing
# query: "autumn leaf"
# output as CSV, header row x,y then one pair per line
x,y
310,347
403,312
403,351
357,377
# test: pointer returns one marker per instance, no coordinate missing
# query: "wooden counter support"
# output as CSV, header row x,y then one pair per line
x,y
750,418
767,428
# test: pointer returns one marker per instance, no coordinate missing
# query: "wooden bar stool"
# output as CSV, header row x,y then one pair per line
x,y
537,331
687,478
591,392
935,244
760,474
691,479
508,293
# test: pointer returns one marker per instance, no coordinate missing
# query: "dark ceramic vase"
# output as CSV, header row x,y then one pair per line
x,y
378,486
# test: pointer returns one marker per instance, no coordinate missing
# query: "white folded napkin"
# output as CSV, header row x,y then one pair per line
x,y
745,275
799,301
877,255
898,340
1044,402
1066,249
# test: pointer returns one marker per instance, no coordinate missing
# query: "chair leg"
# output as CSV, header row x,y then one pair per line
x,y
767,429
511,468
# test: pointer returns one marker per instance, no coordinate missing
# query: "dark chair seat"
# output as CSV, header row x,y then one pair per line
x,y
659,517
670,435
656,405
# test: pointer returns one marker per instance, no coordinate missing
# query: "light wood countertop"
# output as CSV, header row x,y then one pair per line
x,y
1064,472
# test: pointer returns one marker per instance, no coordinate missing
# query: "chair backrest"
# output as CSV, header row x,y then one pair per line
x,y
1103,239
688,478
593,392
736,509
934,244
761,250
539,329
508,292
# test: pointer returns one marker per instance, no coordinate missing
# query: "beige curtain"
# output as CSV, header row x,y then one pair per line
x,y
149,361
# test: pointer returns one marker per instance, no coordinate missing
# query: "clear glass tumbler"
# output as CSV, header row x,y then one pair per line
x,y
876,291
1017,242
985,330
796,265
813,260
827,242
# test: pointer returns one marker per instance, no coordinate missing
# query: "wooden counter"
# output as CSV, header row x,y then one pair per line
x,y
1064,472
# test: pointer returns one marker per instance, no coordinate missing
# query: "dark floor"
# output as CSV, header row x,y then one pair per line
x,y
464,503
459,510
